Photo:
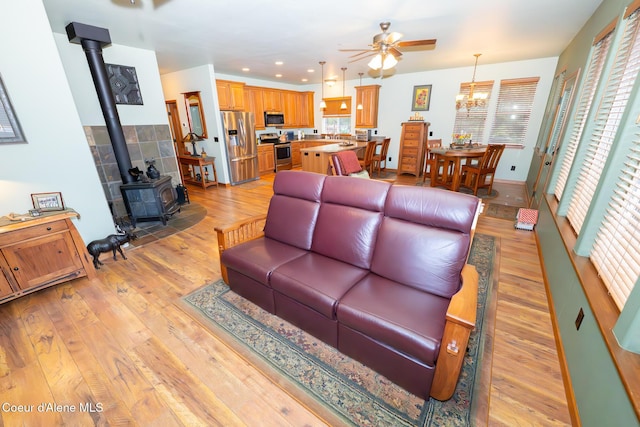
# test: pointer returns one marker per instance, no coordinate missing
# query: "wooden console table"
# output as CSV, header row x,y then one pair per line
x,y
201,163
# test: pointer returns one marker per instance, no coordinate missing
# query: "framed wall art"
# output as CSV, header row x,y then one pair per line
x,y
10,130
421,98
124,84
44,202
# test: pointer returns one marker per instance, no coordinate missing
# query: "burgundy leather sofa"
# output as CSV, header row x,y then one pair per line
x,y
374,269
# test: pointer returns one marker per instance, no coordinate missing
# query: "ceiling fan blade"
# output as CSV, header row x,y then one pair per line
x,y
365,56
363,53
414,43
395,52
353,50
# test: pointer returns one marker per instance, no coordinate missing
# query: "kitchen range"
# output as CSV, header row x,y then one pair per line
x,y
281,150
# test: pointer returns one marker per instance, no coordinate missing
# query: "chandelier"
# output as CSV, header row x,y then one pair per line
x,y
473,99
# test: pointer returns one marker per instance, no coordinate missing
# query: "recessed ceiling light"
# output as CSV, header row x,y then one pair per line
x,y
279,62
305,80
311,70
245,69
278,75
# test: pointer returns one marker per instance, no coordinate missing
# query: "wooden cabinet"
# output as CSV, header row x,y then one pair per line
x,y
367,96
253,104
412,147
39,253
266,159
296,160
230,95
272,100
306,117
290,108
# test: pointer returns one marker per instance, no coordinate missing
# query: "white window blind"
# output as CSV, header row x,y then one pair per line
x,y
472,121
616,251
600,50
610,110
515,101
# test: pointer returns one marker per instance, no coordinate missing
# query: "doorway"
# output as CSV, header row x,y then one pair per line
x,y
176,134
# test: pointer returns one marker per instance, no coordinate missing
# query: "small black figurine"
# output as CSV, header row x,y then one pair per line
x,y
109,243
152,172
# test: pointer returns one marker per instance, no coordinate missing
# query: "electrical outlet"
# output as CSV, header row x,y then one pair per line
x,y
215,139
430,133
579,319
375,132
513,168
389,158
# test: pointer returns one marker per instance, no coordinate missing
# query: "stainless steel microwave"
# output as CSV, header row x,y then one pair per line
x,y
273,119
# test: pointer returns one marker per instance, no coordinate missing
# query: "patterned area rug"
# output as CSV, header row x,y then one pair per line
x,y
326,380
496,210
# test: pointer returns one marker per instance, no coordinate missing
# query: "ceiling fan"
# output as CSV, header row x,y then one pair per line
x,y
385,48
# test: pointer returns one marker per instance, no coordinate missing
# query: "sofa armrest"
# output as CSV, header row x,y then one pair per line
x,y
461,320
236,233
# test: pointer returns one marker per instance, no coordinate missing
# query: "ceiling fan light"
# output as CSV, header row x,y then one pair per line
x,y
376,62
389,62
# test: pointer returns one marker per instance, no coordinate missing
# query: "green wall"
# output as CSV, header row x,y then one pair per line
x,y
599,393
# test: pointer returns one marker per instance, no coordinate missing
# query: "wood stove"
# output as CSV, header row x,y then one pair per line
x,y
155,200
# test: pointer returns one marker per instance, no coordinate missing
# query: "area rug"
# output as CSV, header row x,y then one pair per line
x,y
334,386
496,210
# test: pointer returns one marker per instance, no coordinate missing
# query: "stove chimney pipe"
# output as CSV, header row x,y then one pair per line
x,y
92,40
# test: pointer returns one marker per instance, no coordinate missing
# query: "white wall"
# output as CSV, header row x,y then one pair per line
x,y
57,157
75,64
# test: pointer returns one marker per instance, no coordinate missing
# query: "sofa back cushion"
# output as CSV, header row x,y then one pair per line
x,y
293,209
349,219
424,238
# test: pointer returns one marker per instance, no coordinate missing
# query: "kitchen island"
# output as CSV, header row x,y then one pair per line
x,y
317,159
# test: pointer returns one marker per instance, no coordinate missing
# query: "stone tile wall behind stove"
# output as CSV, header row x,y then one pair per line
x,y
144,142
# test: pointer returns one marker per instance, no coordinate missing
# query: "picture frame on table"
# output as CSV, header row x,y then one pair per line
x,y
45,202
421,98
10,130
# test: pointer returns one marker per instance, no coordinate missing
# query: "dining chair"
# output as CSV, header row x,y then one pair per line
x,y
430,161
481,175
380,157
367,161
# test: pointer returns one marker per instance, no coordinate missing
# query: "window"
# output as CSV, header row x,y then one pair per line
x,y
607,119
600,49
472,121
336,120
515,101
616,250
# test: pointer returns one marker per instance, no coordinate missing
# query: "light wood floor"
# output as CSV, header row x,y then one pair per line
x,y
121,347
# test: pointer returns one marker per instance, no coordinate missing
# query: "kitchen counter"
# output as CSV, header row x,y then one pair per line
x,y
316,159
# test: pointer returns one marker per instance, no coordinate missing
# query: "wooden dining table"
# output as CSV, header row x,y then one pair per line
x,y
449,159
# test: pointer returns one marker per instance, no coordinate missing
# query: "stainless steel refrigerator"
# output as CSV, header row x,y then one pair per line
x,y
239,134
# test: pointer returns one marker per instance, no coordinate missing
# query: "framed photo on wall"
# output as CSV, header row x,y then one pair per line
x,y
421,98
44,202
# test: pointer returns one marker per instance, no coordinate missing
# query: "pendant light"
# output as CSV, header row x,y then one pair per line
x,y
323,104
343,106
360,107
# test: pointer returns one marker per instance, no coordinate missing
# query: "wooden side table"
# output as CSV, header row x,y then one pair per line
x,y
201,163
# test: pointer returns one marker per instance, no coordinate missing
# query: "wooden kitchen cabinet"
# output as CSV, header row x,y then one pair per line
x,y
39,253
291,108
266,159
413,140
253,104
296,160
272,100
230,95
368,97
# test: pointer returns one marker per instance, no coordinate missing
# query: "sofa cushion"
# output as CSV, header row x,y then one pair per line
x,y
293,209
349,219
401,317
258,258
424,238
316,281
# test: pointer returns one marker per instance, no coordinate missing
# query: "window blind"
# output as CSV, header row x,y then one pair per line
x,y
515,101
472,121
616,250
611,107
600,50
